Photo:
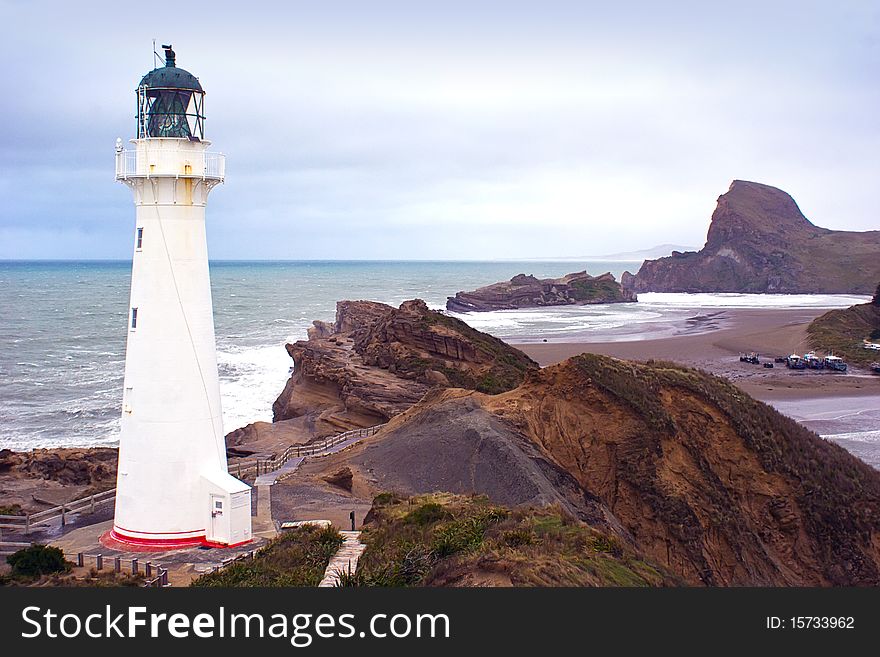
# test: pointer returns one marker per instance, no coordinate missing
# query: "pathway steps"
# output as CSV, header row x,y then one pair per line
x,y
346,558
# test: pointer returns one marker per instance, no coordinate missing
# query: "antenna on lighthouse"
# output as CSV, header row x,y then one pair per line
x,y
155,54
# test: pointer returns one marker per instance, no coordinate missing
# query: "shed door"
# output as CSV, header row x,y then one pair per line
x,y
218,515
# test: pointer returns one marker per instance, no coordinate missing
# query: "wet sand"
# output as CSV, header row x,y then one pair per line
x,y
851,422
713,340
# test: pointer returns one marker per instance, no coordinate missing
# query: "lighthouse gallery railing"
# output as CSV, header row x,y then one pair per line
x,y
170,163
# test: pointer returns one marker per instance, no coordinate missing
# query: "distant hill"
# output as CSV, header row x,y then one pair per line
x,y
759,241
843,331
624,256
659,251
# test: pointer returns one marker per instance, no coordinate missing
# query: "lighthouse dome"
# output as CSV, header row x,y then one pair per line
x,y
171,77
170,103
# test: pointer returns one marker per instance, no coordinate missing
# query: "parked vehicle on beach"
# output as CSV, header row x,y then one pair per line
x,y
835,363
749,358
812,361
795,362
875,368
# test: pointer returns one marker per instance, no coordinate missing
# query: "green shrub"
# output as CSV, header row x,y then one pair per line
x,y
348,579
603,543
426,514
37,560
464,534
518,537
384,499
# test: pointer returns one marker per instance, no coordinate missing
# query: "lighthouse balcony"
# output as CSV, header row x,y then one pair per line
x,y
167,163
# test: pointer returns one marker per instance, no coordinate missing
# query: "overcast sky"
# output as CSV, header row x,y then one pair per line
x,y
457,131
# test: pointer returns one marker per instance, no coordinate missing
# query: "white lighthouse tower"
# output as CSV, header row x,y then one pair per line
x,y
173,487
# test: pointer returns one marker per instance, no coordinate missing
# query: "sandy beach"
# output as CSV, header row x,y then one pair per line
x,y
712,340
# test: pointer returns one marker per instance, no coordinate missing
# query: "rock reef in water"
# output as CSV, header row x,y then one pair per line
x,y
760,242
524,291
376,361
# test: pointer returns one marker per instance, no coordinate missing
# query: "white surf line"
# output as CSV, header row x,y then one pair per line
x,y
345,560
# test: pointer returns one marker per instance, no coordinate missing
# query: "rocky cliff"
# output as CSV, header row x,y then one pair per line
x,y
524,291
680,466
375,361
759,241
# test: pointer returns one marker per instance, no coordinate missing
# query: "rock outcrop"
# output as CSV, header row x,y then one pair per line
x,y
524,291
31,481
376,361
682,466
759,241
70,466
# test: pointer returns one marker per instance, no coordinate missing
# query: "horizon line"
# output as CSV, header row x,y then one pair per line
x,y
295,260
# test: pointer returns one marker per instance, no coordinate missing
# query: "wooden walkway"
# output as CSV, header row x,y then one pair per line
x,y
270,478
330,445
345,560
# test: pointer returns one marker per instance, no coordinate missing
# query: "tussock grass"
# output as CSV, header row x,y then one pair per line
x,y
444,539
298,557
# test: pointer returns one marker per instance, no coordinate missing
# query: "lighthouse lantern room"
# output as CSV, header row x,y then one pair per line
x,y
173,486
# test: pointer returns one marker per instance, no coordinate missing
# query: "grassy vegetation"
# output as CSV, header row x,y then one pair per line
x,y
507,366
839,495
296,558
443,539
32,564
11,510
42,565
842,331
608,291
36,561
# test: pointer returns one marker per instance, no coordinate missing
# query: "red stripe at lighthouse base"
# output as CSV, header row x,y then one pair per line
x,y
117,541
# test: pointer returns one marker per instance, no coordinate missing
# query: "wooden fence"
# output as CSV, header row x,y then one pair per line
x,y
31,520
154,574
256,467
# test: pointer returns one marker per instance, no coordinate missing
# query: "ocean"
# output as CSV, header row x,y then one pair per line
x,y
63,329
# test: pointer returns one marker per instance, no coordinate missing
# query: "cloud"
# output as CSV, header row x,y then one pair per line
x,y
502,130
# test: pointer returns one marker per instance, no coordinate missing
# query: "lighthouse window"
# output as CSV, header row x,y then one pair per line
x,y
140,239
134,318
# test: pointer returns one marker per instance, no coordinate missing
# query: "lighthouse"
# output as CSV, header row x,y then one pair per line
x,y
173,488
